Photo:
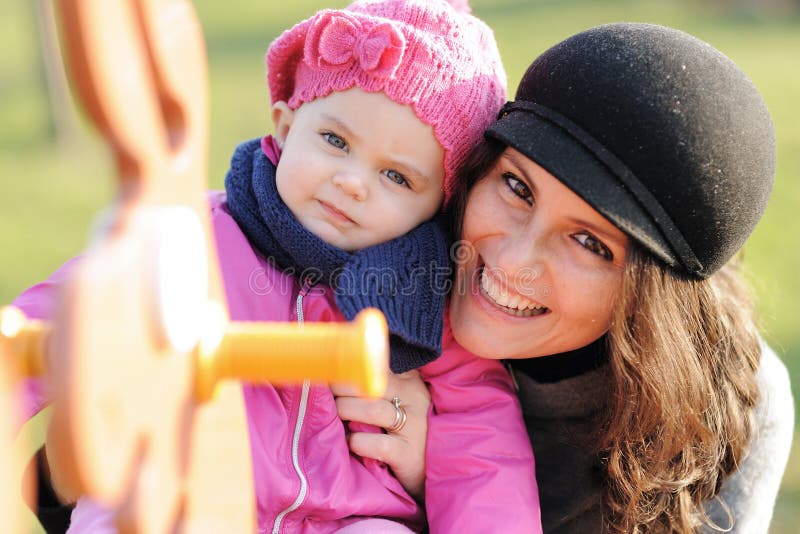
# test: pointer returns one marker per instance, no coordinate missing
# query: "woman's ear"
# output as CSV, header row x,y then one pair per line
x,y
282,117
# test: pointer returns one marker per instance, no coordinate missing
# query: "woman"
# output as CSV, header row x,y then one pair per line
x,y
597,224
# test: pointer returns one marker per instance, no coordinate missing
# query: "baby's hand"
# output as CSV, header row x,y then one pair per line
x,y
402,449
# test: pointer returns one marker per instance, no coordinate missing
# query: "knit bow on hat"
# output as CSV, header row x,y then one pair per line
x,y
337,40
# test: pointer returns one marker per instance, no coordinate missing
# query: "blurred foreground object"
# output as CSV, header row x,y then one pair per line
x,y
139,341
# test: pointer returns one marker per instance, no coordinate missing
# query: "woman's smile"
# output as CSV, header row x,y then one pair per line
x,y
495,289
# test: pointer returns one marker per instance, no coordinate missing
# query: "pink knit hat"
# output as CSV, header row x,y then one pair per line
x,y
430,54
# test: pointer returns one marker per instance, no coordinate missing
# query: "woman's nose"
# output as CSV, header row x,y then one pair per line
x,y
352,184
525,258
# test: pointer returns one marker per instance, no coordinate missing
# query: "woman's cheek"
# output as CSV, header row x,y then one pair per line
x,y
481,214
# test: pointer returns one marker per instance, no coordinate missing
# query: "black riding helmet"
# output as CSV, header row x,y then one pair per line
x,y
657,130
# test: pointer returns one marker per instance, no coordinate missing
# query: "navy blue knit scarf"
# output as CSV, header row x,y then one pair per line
x,y
405,278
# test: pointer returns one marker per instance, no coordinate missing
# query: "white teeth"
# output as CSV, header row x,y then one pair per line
x,y
514,303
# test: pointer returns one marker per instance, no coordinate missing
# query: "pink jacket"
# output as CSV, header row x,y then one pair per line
x,y
480,471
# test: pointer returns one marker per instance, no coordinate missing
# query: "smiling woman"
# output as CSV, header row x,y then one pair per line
x,y
627,200
633,375
599,223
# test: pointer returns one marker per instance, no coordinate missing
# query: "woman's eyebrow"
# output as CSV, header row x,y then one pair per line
x,y
516,161
610,238
597,229
600,230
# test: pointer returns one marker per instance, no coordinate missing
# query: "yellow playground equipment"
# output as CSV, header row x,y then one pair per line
x,y
140,358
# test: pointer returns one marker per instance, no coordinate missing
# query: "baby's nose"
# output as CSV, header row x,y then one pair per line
x,y
352,184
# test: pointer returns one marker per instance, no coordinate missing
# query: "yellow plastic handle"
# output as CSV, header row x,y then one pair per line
x,y
356,353
23,340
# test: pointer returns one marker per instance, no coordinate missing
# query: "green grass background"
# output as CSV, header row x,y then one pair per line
x,y
50,191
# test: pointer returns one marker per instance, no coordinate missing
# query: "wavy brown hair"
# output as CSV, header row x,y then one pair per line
x,y
683,356
678,414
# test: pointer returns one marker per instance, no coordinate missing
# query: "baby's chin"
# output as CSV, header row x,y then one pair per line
x,y
346,241
350,241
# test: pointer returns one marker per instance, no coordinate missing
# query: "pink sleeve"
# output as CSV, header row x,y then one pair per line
x,y
91,516
479,462
38,302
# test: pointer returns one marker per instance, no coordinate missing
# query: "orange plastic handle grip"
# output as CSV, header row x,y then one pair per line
x,y
356,353
23,340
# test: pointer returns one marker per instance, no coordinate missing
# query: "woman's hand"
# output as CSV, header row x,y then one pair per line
x,y
404,449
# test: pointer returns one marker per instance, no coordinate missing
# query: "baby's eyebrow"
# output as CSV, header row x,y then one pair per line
x,y
410,168
341,125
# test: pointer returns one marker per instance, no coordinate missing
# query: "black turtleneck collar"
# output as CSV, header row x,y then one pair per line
x,y
548,369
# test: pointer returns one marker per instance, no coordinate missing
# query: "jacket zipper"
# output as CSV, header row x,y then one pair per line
x,y
301,412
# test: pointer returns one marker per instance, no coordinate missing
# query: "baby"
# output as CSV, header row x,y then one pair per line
x,y
375,108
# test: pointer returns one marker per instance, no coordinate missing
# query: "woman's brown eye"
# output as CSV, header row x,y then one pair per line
x,y
594,245
518,187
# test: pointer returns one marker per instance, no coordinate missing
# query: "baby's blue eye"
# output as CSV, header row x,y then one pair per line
x,y
396,177
334,140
